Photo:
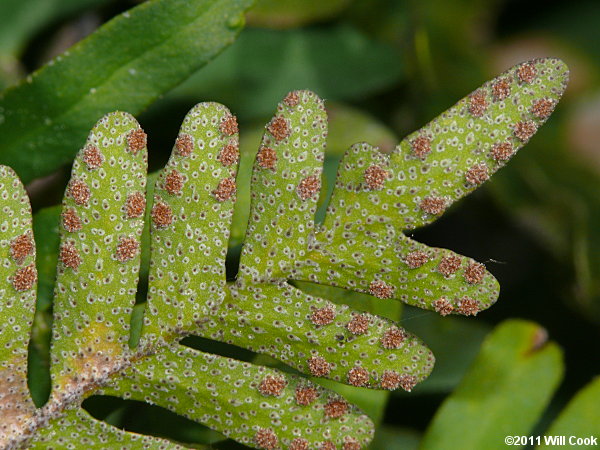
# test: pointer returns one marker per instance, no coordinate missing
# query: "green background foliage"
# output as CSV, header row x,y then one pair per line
x,y
384,68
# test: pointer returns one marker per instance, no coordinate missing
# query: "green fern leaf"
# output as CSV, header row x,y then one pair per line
x,y
361,246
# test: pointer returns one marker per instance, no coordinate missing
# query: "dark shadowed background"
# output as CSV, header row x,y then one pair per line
x,y
385,68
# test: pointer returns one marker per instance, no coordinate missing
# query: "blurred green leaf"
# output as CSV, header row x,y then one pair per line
x,y
293,13
47,241
45,229
125,64
137,320
389,438
38,359
20,20
444,335
389,21
10,70
441,42
349,125
581,417
339,63
448,43
504,392
249,142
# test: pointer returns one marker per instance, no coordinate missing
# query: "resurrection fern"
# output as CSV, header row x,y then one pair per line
x,y
360,246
